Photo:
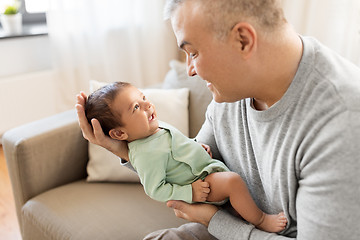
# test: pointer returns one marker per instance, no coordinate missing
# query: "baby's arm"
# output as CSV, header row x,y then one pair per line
x,y
164,191
200,190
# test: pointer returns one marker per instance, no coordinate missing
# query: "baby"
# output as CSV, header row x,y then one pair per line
x,y
170,165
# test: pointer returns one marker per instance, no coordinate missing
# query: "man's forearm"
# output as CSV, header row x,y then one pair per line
x,y
122,152
225,226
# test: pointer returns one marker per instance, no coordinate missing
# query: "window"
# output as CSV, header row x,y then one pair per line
x,y
34,11
36,6
33,18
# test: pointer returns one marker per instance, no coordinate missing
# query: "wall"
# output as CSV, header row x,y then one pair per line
x,y
334,23
26,81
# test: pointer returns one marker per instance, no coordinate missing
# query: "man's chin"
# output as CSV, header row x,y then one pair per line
x,y
217,97
220,99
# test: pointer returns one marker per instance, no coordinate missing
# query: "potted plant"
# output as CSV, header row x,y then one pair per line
x,y
11,18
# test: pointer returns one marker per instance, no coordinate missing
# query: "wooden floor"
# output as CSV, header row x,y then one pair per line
x,y
9,228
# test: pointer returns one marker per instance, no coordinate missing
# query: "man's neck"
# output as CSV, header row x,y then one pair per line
x,y
283,59
259,105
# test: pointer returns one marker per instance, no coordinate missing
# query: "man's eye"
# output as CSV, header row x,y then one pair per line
x,y
136,107
192,55
144,98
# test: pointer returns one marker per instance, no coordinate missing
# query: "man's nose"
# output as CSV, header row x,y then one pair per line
x,y
190,68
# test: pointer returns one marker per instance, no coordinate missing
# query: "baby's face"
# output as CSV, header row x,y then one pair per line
x,y
138,115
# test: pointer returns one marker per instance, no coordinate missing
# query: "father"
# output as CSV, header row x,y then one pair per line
x,y
285,116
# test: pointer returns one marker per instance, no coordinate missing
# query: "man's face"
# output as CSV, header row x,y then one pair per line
x,y
216,61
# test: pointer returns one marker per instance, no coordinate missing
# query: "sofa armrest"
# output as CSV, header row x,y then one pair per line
x,y
45,154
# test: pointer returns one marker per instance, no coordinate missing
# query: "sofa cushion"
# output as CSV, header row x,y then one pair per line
x,y
104,166
83,210
199,98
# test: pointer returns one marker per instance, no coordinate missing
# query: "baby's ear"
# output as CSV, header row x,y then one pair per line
x,y
118,134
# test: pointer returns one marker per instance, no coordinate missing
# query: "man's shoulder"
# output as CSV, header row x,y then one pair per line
x,y
333,74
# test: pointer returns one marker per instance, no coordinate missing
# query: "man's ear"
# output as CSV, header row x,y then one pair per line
x,y
244,37
118,134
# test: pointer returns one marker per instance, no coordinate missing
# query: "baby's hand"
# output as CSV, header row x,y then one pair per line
x,y
207,149
200,190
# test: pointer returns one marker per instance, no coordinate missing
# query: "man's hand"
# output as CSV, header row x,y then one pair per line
x,y
197,212
200,190
207,149
95,134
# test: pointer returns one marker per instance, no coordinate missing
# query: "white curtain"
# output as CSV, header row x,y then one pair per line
x,y
108,40
336,23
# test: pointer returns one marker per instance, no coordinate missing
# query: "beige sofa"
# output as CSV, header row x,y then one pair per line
x,y
47,162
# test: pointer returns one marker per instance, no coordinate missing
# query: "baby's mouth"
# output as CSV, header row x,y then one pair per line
x,y
152,117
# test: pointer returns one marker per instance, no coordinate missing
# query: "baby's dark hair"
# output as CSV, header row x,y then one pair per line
x,y
98,105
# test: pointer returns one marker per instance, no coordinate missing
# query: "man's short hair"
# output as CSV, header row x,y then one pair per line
x,y
223,15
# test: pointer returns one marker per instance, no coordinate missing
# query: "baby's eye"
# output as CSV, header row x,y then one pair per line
x,y
136,107
144,98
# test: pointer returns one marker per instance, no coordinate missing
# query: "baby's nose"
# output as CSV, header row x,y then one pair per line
x,y
148,105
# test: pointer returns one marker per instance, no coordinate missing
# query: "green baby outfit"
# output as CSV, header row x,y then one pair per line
x,y
167,162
